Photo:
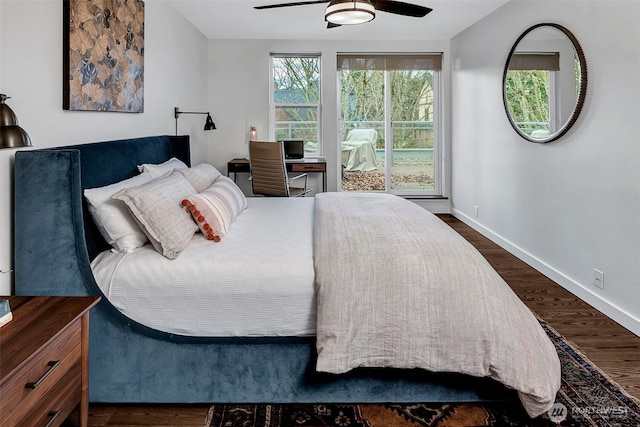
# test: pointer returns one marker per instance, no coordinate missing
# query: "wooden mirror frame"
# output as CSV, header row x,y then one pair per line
x,y
581,94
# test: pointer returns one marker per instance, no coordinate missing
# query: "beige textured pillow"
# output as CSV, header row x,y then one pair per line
x,y
201,176
215,208
156,207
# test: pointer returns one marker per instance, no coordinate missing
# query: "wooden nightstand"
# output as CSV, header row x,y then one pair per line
x,y
44,360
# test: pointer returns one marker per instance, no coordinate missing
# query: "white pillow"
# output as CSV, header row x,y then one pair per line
x,y
158,170
156,206
216,208
201,176
113,219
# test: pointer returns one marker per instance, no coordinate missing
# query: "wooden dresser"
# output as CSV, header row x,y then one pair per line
x,y
44,361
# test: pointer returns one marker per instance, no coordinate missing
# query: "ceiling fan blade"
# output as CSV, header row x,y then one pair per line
x,y
297,3
401,8
332,25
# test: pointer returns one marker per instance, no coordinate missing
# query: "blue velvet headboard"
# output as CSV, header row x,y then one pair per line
x,y
55,203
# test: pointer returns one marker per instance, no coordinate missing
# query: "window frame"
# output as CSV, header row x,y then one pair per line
x,y
393,59
273,106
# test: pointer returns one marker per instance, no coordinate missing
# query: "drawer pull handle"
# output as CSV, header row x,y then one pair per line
x,y
53,416
52,365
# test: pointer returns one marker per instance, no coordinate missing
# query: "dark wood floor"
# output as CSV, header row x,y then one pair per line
x,y
611,347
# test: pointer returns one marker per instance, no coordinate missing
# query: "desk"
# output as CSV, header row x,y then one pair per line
x,y
307,165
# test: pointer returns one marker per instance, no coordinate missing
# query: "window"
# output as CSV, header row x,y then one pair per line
x,y
389,106
295,99
531,88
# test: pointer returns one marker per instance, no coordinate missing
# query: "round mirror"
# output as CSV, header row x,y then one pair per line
x,y
544,82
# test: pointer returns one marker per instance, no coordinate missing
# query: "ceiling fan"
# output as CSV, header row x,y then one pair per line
x,y
349,12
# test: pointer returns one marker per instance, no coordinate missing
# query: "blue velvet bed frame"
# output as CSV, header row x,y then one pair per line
x,y
55,240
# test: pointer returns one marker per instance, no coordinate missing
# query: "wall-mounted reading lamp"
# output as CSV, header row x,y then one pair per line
x,y
208,125
11,135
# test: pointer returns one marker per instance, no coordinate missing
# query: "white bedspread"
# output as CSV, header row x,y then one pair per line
x,y
399,288
258,281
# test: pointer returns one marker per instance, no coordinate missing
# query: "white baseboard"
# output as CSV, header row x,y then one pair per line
x,y
612,311
437,205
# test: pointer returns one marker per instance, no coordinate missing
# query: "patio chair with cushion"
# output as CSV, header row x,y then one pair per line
x,y
359,150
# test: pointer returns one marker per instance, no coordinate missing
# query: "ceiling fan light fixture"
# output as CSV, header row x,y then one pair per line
x,y
349,12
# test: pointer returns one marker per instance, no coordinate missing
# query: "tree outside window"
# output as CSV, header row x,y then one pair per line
x,y
296,99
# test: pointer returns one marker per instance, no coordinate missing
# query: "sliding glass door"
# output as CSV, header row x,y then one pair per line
x,y
389,107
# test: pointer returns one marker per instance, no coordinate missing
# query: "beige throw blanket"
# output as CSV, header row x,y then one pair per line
x,y
399,288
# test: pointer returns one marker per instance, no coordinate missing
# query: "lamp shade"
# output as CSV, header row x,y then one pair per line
x,y
7,116
11,135
209,125
349,12
14,137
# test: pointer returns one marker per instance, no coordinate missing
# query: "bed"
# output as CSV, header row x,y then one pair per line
x,y
59,250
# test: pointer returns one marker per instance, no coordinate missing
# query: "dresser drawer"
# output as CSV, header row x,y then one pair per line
x,y
311,167
34,383
62,399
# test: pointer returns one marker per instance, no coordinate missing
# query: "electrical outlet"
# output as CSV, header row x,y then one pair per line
x,y
476,210
598,278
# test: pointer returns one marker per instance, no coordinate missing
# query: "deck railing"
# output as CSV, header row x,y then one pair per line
x,y
406,134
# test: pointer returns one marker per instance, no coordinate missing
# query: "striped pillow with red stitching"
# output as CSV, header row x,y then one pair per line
x,y
216,208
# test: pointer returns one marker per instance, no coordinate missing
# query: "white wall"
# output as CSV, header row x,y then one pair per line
x,y
569,206
565,207
31,73
239,91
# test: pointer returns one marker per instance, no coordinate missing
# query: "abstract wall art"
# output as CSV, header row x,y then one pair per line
x,y
103,55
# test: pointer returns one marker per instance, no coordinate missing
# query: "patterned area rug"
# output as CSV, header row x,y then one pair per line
x,y
587,398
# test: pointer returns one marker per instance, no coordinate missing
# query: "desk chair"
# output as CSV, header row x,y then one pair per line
x,y
269,173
